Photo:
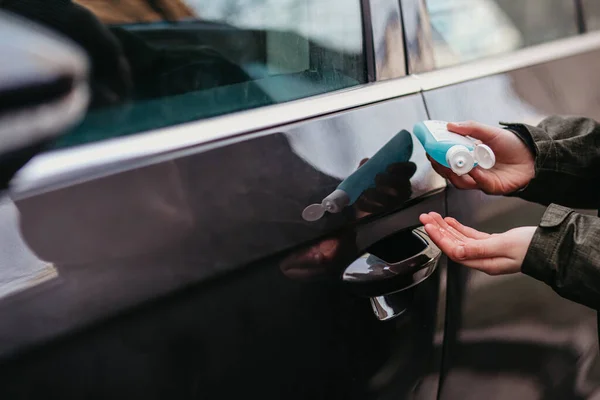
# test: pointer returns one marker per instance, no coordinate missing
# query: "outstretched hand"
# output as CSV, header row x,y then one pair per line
x,y
496,254
514,167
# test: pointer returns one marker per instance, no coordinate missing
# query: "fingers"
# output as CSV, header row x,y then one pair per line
x,y
447,243
465,230
439,168
485,133
483,180
444,225
453,226
426,219
469,247
460,251
464,182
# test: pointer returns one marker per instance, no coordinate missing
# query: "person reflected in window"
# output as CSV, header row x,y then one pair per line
x,y
125,65
110,72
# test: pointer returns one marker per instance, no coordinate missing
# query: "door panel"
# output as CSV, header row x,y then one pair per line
x,y
195,276
515,328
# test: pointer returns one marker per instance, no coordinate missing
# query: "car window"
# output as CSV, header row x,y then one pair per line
x,y
157,63
467,30
591,8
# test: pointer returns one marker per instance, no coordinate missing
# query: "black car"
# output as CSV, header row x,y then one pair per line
x,y
161,247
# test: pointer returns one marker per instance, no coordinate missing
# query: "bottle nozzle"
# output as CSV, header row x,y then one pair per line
x,y
460,159
334,203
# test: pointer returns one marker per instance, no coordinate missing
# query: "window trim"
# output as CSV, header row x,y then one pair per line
x,y
61,168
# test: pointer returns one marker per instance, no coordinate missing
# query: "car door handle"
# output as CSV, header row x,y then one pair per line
x,y
390,267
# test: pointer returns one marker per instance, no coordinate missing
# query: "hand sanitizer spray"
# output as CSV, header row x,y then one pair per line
x,y
397,149
459,153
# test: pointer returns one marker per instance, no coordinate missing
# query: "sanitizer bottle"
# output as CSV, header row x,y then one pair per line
x,y
397,149
459,153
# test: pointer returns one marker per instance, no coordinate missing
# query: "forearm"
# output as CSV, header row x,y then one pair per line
x,y
565,254
567,161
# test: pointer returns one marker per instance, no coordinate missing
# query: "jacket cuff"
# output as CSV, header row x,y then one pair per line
x,y
538,260
542,147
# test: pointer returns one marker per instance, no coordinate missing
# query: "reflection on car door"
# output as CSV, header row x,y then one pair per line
x,y
195,276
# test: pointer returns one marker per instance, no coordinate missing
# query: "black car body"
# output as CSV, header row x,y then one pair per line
x,y
158,250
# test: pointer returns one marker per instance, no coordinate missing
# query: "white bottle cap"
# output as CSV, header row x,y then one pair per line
x,y
484,156
314,212
459,159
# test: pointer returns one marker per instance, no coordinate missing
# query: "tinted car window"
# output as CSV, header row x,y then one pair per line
x,y
591,8
158,63
466,30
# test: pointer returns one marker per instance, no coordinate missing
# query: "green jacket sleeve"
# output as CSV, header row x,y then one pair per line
x,y
567,161
565,254
565,249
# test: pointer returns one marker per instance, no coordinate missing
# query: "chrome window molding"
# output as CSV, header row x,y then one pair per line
x,y
62,168
518,59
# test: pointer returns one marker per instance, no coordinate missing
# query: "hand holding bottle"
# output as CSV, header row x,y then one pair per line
x,y
514,167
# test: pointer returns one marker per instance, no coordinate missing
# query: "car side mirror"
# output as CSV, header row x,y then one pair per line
x,y
43,90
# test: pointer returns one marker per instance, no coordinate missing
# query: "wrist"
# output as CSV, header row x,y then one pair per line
x,y
522,133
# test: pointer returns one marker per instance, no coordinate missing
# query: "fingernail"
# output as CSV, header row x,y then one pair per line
x,y
460,252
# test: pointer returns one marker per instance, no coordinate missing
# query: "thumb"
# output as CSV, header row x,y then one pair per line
x,y
476,130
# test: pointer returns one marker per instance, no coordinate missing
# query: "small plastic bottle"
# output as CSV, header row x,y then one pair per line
x,y
459,153
398,149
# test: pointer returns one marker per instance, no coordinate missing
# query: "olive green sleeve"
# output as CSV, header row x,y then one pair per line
x,y
567,161
565,254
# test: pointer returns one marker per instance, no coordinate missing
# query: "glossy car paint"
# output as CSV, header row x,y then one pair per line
x,y
191,274
194,275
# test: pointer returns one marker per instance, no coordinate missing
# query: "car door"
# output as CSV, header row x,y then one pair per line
x,y
173,216
511,336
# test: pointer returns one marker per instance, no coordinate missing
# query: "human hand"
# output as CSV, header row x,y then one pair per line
x,y
497,254
514,166
392,188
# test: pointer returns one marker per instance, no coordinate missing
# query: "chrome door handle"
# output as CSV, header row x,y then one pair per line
x,y
390,267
